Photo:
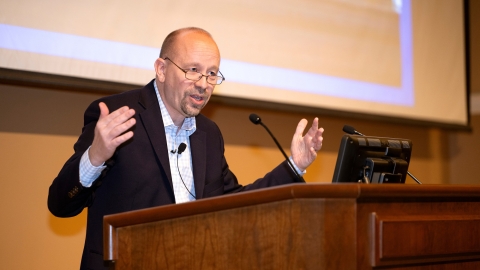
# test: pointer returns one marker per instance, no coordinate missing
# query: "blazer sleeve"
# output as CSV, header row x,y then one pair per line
x,y
67,197
280,175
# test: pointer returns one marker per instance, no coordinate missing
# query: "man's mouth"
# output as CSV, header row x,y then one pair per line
x,y
197,98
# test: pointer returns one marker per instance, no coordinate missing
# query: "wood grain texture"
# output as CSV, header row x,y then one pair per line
x,y
279,235
416,232
313,226
425,238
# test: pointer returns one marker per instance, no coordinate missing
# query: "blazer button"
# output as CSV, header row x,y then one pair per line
x,y
73,192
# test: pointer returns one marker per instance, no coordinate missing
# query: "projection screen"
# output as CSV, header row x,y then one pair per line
x,y
394,58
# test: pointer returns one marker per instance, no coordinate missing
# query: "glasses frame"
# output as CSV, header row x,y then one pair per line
x,y
202,75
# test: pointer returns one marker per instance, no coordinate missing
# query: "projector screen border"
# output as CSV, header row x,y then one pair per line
x,y
68,83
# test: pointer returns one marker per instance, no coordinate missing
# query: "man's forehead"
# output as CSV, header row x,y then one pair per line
x,y
197,47
195,40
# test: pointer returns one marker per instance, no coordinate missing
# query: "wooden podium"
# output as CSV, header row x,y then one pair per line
x,y
305,226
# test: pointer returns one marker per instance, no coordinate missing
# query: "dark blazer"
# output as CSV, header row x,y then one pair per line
x,y
138,175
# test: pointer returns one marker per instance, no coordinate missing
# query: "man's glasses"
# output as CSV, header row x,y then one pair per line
x,y
196,76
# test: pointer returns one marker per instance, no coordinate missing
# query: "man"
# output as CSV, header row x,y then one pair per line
x,y
129,155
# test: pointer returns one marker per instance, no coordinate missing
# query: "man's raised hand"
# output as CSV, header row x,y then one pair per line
x,y
304,148
110,132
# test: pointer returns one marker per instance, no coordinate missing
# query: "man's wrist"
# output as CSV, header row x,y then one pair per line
x,y
88,172
296,168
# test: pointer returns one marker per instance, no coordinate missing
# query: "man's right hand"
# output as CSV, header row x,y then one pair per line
x,y
110,133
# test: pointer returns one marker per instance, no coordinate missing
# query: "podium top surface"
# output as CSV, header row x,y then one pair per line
x,y
358,192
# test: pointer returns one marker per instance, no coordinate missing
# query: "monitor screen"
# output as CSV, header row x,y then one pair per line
x,y
368,159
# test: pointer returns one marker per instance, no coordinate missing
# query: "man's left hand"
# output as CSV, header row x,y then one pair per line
x,y
304,148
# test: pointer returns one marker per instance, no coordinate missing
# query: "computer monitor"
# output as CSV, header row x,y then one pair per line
x,y
368,159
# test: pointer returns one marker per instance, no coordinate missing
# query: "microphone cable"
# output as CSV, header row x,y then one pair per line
x,y
180,150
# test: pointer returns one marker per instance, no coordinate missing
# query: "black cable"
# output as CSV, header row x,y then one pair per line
x,y
178,169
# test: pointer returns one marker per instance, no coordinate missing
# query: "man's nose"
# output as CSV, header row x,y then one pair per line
x,y
202,84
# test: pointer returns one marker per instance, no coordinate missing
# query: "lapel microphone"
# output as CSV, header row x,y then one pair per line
x,y
180,149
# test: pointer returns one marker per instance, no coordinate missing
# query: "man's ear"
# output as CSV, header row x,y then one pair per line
x,y
160,69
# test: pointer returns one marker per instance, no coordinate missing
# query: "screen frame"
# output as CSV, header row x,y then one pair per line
x,y
77,84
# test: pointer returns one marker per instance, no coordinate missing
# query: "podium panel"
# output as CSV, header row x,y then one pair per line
x,y
438,238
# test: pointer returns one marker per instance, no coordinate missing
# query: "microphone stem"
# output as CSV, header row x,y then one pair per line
x,y
283,152
414,178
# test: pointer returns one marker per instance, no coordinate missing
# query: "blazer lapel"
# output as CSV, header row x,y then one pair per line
x,y
151,119
198,147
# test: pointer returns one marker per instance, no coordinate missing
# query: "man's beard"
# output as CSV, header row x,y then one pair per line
x,y
190,109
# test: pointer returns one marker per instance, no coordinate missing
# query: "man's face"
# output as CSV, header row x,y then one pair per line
x,y
183,97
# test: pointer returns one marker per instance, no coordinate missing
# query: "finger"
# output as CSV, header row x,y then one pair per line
x,y
118,117
315,124
314,128
119,129
318,133
318,140
319,144
106,117
103,110
300,127
122,138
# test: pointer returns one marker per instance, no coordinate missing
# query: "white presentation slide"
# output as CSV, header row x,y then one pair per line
x,y
395,58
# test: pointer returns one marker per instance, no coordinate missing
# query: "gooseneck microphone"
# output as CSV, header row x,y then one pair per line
x,y
350,130
180,150
257,121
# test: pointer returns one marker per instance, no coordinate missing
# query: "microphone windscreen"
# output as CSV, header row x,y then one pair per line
x,y
348,129
181,148
255,119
